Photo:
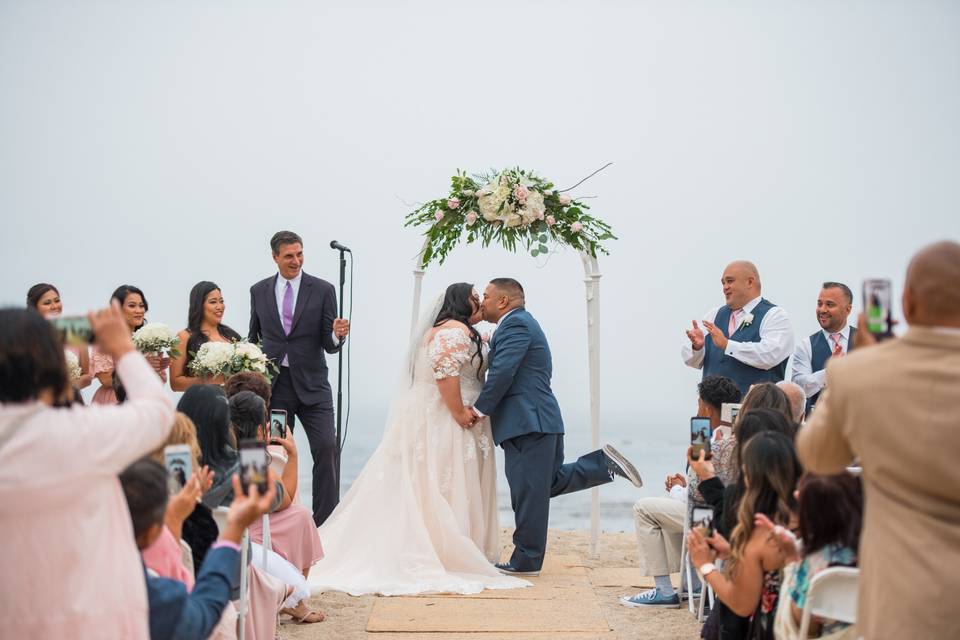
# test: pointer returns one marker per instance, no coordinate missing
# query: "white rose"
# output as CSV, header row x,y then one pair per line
x,y
513,220
565,199
467,192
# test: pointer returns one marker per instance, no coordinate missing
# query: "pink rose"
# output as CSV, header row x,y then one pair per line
x,y
539,215
564,199
551,221
453,203
471,218
576,227
438,215
520,192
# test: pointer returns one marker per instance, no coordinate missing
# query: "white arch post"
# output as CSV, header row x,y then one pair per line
x,y
591,279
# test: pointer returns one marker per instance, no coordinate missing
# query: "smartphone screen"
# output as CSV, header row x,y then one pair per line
x,y
179,463
253,465
728,412
700,434
74,330
878,306
702,520
278,423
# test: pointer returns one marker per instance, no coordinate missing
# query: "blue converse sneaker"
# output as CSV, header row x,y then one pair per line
x,y
651,598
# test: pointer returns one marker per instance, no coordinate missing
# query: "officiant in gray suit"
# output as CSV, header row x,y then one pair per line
x,y
295,316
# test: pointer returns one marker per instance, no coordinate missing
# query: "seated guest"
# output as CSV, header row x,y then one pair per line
x,y
658,521
204,324
797,398
66,529
835,338
761,396
748,339
293,533
207,406
829,516
174,612
893,406
134,305
166,556
248,381
45,298
725,500
749,583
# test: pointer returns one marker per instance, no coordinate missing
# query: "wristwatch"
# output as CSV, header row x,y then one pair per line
x,y
706,569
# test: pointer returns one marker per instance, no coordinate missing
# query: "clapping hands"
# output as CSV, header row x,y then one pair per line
x,y
696,336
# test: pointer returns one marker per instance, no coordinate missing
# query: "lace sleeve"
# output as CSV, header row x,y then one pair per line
x,y
449,349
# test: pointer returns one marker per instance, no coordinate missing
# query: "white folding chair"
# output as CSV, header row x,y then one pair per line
x,y
220,516
685,565
833,595
266,539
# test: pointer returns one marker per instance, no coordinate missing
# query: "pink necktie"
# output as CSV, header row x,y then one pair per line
x,y
288,308
837,349
733,322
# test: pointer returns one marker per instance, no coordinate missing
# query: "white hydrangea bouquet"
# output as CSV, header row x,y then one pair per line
x,y
226,359
508,206
73,365
156,338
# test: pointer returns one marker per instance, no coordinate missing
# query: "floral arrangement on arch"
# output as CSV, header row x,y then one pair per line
x,y
511,206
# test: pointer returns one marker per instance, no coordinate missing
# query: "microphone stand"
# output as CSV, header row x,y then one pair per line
x,y
343,277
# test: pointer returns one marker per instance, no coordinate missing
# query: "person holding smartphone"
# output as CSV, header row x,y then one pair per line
x,y
58,483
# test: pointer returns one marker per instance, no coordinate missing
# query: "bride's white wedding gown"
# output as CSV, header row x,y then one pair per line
x,y
422,515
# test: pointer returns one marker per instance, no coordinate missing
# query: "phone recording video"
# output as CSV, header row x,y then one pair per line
x,y
179,463
253,465
74,330
878,307
278,423
729,411
702,521
700,434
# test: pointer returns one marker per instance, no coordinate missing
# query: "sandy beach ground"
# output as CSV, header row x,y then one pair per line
x,y
347,616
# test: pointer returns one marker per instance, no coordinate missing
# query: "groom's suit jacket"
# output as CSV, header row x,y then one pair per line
x,y
517,394
311,334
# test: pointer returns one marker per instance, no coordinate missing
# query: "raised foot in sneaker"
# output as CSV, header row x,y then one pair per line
x,y
651,598
618,465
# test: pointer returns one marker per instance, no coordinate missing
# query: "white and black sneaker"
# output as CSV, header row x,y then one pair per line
x,y
618,465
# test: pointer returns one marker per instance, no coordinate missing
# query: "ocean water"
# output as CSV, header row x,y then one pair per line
x,y
655,450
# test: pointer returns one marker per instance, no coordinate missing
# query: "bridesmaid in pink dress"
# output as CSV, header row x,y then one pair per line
x,y
133,304
45,298
204,324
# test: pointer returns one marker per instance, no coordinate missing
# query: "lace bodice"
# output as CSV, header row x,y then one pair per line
x,y
449,353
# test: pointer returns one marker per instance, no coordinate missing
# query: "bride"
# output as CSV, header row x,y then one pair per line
x,y
422,515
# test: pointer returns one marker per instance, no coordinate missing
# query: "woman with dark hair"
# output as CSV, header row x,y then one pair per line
x,y
433,476
204,324
63,510
45,298
749,583
133,306
829,519
292,530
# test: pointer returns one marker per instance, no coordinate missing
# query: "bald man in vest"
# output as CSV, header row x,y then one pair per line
x,y
749,339
894,406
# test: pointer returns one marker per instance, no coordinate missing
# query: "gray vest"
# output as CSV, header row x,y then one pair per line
x,y
716,362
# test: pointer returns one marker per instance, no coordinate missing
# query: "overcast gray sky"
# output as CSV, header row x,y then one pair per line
x,y
161,143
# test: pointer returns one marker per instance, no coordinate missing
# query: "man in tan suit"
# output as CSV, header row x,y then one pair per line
x,y
895,407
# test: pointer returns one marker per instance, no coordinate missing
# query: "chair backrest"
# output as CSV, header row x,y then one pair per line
x,y
832,594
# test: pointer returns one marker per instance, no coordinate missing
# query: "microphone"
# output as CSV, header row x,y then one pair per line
x,y
336,245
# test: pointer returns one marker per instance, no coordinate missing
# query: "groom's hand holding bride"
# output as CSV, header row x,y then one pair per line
x,y
466,418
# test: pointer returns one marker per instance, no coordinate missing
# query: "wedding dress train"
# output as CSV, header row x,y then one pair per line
x,y
422,515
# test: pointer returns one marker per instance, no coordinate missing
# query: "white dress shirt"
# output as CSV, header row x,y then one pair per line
x,y
281,290
499,322
803,374
775,346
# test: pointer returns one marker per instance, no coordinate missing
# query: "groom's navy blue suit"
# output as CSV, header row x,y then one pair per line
x,y
526,422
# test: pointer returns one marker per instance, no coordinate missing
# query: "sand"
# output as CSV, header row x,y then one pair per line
x,y
347,616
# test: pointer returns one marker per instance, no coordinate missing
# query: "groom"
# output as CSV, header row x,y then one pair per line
x,y
525,419
295,315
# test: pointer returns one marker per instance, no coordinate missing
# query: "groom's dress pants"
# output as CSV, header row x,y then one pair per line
x,y
535,472
318,423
